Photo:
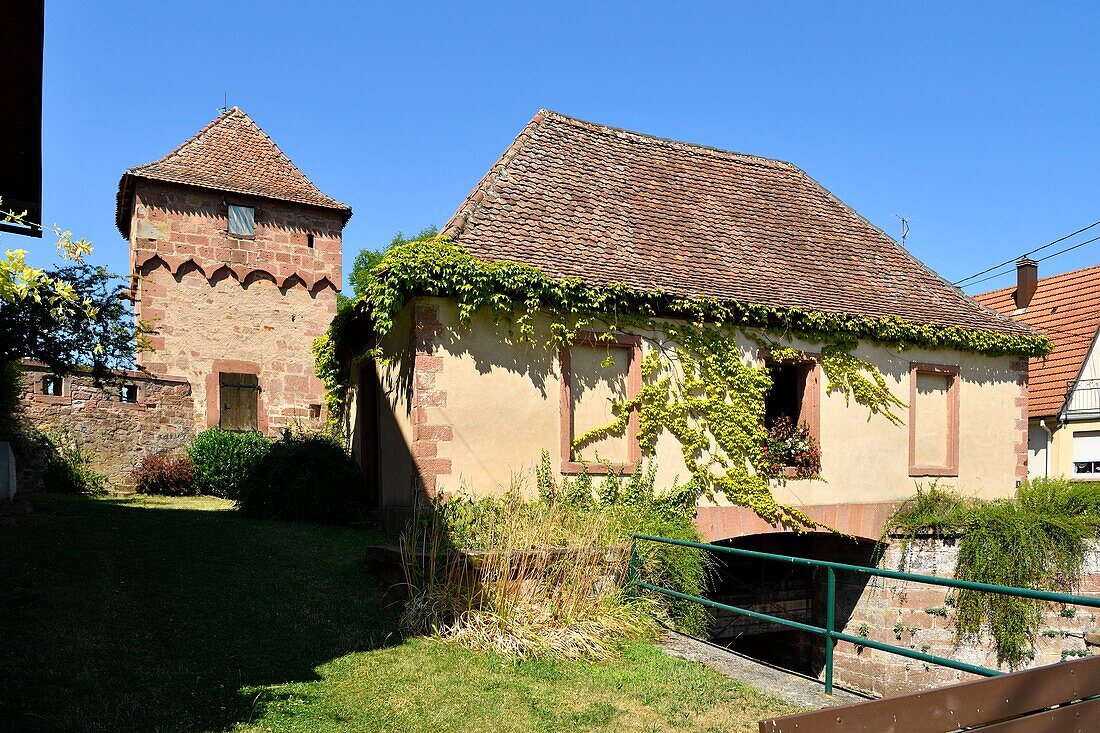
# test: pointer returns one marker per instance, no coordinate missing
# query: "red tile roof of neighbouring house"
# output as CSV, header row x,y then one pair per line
x,y
579,199
1066,308
230,154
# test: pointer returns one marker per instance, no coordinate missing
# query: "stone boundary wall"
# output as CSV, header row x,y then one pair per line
x,y
118,434
917,616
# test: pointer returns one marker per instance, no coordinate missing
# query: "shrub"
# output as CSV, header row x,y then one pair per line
x,y
68,466
1036,540
164,474
303,478
222,459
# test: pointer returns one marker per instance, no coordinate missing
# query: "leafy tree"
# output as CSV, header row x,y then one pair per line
x,y
97,331
368,259
68,316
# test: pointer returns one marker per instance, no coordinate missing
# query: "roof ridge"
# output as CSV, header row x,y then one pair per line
x,y
176,150
457,223
668,141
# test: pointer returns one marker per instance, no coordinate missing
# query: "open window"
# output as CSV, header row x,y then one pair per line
x,y
792,415
933,420
596,374
53,385
239,396
128,393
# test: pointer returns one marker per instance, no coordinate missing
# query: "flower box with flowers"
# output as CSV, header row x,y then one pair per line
x,y
791,451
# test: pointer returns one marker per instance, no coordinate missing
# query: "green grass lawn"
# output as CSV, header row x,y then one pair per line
x,y
179,615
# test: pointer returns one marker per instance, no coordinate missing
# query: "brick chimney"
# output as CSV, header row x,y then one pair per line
x,y
1027,280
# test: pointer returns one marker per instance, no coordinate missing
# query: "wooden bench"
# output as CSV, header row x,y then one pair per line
x,y
1050,699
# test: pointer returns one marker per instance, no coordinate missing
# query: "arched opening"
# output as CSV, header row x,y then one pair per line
x,y
794,592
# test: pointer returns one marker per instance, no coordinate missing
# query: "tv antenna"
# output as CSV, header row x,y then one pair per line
x,y
904,227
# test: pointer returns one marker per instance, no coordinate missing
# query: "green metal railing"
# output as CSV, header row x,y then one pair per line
x,y
828,631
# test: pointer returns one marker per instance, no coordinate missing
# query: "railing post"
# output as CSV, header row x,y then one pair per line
x,y
632,566
830,621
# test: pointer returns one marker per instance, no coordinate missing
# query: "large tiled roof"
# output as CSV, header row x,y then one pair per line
x,y
1066,308
578,199
230,154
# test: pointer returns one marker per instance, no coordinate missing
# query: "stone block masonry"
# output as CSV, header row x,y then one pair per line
x,y
238,304
920,617
117,433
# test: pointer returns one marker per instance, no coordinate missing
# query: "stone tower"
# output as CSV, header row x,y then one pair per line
x,y
236,260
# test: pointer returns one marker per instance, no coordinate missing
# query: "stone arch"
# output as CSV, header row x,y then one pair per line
x,y
787,590
221,273
256,276
187,267
322,283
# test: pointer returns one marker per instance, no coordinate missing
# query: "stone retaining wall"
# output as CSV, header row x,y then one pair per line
x,y
917,616
118,434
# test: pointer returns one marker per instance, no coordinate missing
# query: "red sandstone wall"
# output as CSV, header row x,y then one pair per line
x,y
908,614
235,304
118,434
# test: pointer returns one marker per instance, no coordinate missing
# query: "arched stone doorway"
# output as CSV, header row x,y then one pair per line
x,y
789,591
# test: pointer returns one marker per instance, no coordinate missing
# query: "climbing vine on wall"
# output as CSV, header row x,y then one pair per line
x,y
696,384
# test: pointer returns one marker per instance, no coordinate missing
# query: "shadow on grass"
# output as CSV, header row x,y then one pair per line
x,y
121,617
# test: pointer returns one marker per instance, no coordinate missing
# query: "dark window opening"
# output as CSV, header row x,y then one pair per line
x,y
314,412
52,385
785,396
128,393
242,220
240,397
309,241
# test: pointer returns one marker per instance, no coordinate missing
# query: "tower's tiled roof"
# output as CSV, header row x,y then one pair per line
x,y
1066,308
230,154
610,206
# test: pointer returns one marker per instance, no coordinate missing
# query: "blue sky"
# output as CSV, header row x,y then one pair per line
x,y
980,122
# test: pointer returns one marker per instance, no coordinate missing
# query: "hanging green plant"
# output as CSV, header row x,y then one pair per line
x,y
696,384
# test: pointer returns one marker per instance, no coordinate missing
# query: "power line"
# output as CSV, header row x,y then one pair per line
x,y
1025,254
1041,259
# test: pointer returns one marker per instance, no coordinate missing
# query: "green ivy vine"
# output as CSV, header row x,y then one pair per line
x,y
696,384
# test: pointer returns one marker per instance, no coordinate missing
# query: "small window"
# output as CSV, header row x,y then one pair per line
x,y
791,416
309,241
128,393
314,412
1086,454
52,385
242,220
784,399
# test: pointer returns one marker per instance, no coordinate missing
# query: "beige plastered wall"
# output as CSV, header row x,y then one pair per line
x,y
1061,445
502,401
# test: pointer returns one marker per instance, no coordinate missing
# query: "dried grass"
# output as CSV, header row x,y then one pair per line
x,y
542,581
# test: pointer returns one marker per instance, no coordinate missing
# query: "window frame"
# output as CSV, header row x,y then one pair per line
x,y
809,367
229,220
1091,475
952,467
122,393
51,379
633,345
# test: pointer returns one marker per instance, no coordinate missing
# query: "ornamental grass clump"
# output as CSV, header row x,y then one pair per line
x,y
1036,540
520,578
